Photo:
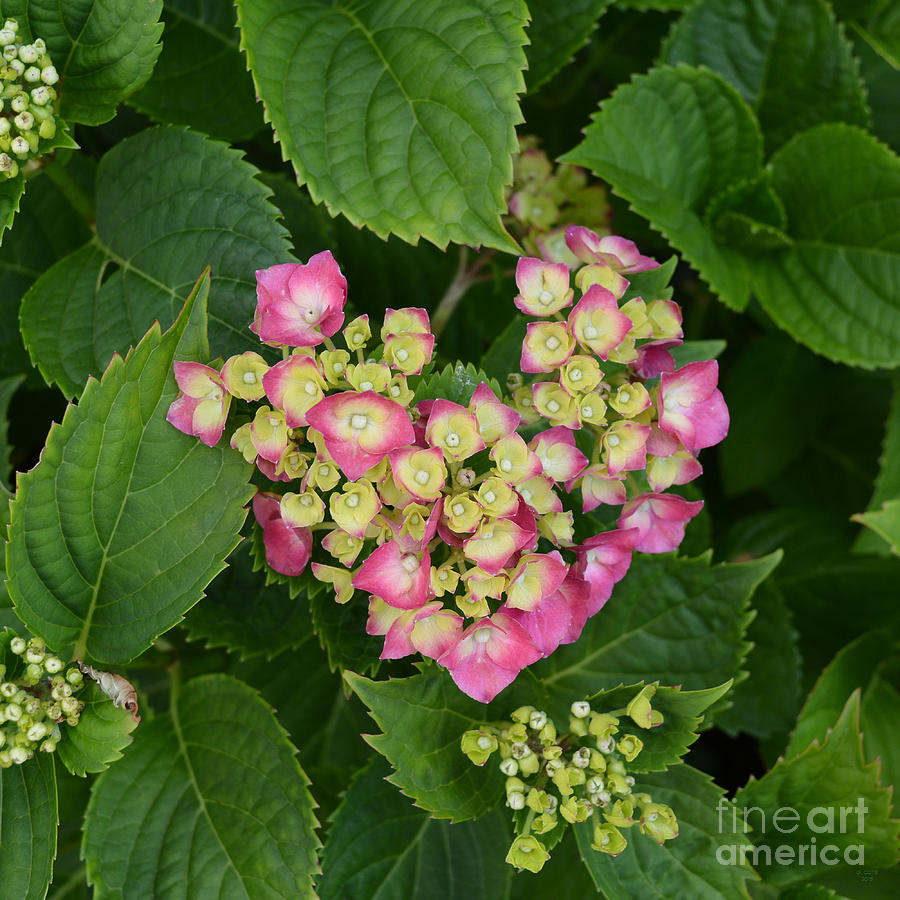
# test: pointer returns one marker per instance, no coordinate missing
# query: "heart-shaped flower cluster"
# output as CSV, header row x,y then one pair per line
x,y
452,516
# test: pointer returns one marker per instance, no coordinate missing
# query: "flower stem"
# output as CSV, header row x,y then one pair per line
x,y
465,277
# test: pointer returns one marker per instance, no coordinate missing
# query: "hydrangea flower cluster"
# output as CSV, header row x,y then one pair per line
x,y
543,199
27,96
554,780
450,520
34,701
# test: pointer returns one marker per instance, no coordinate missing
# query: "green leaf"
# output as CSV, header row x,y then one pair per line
x,y
887,484
169,201
200,78
767,702
810,892
243,613
123,523
881,31
676,621
684,868
749,216
652,284
104,50
8,387
457,382
789,59
380,845
11,192
47,228
885,522
28,819
775,381
557,32
866,663
5,601
103,731
433,87
423,719
209,795
836,288
825,777
694,351
341,629
664,744
668,143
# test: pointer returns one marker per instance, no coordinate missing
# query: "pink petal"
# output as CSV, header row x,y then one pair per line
x,y
400,578
660,520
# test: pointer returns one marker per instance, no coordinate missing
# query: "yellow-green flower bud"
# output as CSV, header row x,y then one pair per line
x,y
478,746
509,767
522,714
603,726
659,822
18,646
608,839
543,823
573,810
357,333
620,814
640,711
630,746
527,852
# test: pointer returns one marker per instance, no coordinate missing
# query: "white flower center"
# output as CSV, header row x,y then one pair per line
x,y
624,396
410,563
482,636
273,421
402,355
545,297
489,496
337,368
353,501
311,315
552,342
575,375
452,439
422,476
590,332
395,390
526,495
612,440
359,421
366,385
587,411
553,406
506,465
306,500
310,388
323,471
248,378
484,742
458,510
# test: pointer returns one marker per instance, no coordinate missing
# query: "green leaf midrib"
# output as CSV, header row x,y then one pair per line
x,y
182,748
230,43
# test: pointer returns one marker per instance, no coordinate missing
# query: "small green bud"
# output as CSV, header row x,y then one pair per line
x,y
72,720
2,738
478,746
527,852
28,54
581,709
573,810
5,760
547,734
37,731
13,712
514,784
621,814
553,766
49,746
537,720
55,712
53,664
10,52
608,839
8,690
7,37
11,25
659,822
640,711
537,800
47,129
509,767
19,103
17,66
530,765
522,714
74,677
578,727
598,762
515,800
543,823
32,74
33,673
554,751
33,706
49,75
600,798
69,705
603,726
518,733
24,121
18,755
581,758
41,96
630,746
39,45
18,646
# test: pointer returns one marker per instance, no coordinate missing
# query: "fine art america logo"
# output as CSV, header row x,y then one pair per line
x,y
824,835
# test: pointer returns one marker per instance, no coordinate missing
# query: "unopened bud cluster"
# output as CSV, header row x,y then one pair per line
x,y
35,702
544,199
27,98
555,779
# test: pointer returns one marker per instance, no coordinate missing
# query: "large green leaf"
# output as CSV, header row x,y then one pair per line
x,y
169,201
200,78
28,819
380,846
669,142
557,32
47,228
768,700
789,59
456,382
423,719
676,621
104,50
11,192
837,288
887,484
885,522
881,29
123,523
687,867
817,785
209,801
432,87
866,664
102,733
